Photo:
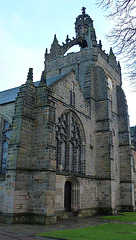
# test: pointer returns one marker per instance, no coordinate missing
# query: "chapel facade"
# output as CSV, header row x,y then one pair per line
x,y
65,140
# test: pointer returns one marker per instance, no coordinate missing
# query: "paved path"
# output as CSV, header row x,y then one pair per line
x,y
27,232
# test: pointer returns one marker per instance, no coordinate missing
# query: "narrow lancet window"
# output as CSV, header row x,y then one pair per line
x,y
72,95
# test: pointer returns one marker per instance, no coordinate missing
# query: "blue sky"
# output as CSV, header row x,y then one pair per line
x,y
27,28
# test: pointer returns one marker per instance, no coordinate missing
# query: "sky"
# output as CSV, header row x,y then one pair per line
x,y
27,28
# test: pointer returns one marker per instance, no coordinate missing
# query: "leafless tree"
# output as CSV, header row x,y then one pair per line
x,y
123,34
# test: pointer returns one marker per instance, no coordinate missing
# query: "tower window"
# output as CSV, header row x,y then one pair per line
x,y
72,86
72,95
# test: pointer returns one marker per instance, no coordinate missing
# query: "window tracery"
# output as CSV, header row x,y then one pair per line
x,y
6,134
69,144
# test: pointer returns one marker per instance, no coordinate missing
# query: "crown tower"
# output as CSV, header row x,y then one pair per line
x,y
85,30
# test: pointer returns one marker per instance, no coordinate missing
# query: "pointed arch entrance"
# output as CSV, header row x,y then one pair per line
x,y
67,196
71,195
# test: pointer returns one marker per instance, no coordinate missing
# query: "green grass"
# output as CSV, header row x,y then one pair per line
x,y
108,231
123,217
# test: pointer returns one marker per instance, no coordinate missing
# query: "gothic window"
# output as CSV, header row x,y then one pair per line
x,y
6,133
72,95
69,144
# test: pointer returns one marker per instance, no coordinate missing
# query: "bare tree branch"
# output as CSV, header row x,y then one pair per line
x,y
123,34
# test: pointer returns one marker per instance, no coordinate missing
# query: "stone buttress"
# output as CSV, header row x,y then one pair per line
x,y
29,193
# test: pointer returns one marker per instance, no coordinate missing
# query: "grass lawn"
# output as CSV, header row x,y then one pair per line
x,y
108,231
123,217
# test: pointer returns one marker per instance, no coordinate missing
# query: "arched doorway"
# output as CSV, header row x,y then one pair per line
x,y
67,196
71,195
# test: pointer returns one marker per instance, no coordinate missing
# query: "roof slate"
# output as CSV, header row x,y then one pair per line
x,y
10,95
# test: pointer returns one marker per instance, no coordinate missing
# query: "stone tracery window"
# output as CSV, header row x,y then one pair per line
x,y
69,144
6,134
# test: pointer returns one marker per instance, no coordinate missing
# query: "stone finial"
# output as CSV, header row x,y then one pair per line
x,y
119,64
111,51
55,48
67,39
43,78
55,40
112,58
83,10
100,44
30,75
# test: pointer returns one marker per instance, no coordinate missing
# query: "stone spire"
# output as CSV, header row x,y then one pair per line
x,y
55,48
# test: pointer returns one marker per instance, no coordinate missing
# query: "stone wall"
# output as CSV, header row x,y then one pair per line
x,y
126,164
33,188
78,61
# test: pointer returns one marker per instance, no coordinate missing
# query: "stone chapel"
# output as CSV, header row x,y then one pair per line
x,y
65,140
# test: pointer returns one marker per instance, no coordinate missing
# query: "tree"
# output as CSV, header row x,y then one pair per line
x,y
123,34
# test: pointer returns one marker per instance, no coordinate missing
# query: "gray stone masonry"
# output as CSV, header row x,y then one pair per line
x,y
70,148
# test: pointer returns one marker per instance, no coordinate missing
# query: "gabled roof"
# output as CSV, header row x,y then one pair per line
x,y
51,80
10,95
